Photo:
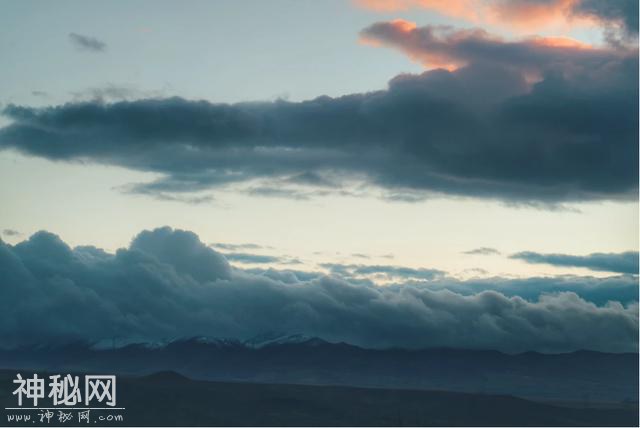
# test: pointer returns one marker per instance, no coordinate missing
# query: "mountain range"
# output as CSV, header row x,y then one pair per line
x,y
584,377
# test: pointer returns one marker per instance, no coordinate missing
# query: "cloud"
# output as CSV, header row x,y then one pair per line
x,y
11,232
476,271
410,197
159,195
620,288
599,291
369,256
87,43
483,251
169,284
235,247
608,262
287,276
522,122
276,192
107,93
617,16
251,258
114,92
311,179
360,256
445,47
388,271
182,250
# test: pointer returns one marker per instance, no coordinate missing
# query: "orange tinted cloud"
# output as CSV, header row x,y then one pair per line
x,y
520,15
404,25
443,47
412,41
561,42
526,15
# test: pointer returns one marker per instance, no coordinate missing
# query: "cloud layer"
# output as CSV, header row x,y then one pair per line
x,y
385,271
626,262
524,122
618,17
442,46
167,284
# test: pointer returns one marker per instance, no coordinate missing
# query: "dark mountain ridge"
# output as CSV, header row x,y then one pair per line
x,y
584,376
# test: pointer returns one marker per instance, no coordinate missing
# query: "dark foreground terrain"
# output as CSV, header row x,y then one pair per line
x,y
169,399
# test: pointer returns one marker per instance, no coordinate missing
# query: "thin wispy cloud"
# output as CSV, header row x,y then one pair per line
x,y
626,262
251,258
483,251
388,271
360,256
87,43
235,247
11,233
167,196
112,92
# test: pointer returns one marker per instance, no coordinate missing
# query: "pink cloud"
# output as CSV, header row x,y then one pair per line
x,y
522,16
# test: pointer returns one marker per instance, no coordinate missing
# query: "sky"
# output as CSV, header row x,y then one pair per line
x,y
454,147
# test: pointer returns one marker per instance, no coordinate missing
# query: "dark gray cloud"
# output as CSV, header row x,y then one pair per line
x,y
616,15
619,15
169,284
626,262
483,130
11,232
483,251
87,43
443,46
312,179
600,291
